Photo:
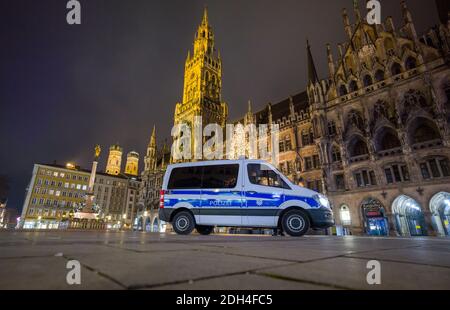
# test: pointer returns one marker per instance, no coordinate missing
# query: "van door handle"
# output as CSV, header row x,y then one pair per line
x,y
251,192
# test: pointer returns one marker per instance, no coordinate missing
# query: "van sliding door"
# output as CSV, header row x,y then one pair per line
x,y
221,198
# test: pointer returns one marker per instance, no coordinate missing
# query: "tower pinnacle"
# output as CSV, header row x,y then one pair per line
x,y
357,11
205,21
202,89
312,72
150,158
153,137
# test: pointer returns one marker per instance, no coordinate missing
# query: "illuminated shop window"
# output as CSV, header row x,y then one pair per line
x,y
346,219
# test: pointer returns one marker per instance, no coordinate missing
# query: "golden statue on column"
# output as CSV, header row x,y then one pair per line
x,y
88,212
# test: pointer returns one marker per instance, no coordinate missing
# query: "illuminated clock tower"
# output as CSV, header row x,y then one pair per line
x,y
202,83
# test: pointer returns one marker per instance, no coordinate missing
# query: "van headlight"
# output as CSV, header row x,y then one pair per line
x,y
322,200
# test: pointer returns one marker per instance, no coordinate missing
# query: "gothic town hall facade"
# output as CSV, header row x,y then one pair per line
x,y
374,135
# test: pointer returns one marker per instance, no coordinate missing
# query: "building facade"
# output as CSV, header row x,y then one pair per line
x,y
3,218
156,161
374,135
113,195
381,125
56,197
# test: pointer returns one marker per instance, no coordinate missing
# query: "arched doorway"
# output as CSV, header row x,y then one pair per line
x,y
137,224
440,212
409,217
155,225
148,225
346,221
374,215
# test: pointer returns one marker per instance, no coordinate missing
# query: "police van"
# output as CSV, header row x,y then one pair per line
x,y
239,193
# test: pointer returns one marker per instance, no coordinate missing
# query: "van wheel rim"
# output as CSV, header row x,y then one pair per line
x,y
296,223
182,223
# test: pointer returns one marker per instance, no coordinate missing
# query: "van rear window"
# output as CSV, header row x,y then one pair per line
x,y
184,178
207,177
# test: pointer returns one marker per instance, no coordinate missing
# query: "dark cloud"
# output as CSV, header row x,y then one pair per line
x,y
65,88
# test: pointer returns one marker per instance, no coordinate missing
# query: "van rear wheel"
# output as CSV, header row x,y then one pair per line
x,y
295,223
205,230
183,223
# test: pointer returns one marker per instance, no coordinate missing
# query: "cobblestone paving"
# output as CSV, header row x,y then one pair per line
x,y
135,260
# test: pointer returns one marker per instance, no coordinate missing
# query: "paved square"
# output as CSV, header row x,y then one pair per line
x,y
135,260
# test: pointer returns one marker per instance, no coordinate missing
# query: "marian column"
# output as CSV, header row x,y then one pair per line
x,y
88,208
86,218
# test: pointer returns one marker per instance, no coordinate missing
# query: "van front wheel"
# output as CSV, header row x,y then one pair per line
x,y
205,230
295,223
183,223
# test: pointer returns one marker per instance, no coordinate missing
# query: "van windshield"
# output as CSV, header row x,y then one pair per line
x,y
260,174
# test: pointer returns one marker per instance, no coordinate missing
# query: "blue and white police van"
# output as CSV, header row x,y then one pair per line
x,y
239,193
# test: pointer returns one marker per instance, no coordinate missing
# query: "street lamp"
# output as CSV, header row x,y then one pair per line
x,y
144,221
124,218
108,221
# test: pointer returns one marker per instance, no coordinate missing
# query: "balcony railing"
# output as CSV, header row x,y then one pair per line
x,y
360,158
427,144
390,152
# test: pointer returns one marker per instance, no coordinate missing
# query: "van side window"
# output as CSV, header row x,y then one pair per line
x,y
222,176
185,178
263,175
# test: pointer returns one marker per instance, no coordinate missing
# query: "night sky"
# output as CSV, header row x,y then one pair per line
x,y
64,88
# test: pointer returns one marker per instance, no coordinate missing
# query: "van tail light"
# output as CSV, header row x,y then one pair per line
x,y
161,199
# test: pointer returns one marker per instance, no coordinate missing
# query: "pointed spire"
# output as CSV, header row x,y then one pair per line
x,y
312,72
357,11
164,151
270,116
347,26
291,107
153,137
408,21
389,25
205,16
407,18
248,118
331,66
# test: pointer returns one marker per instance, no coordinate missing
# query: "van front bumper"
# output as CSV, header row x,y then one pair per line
x,y
321,218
